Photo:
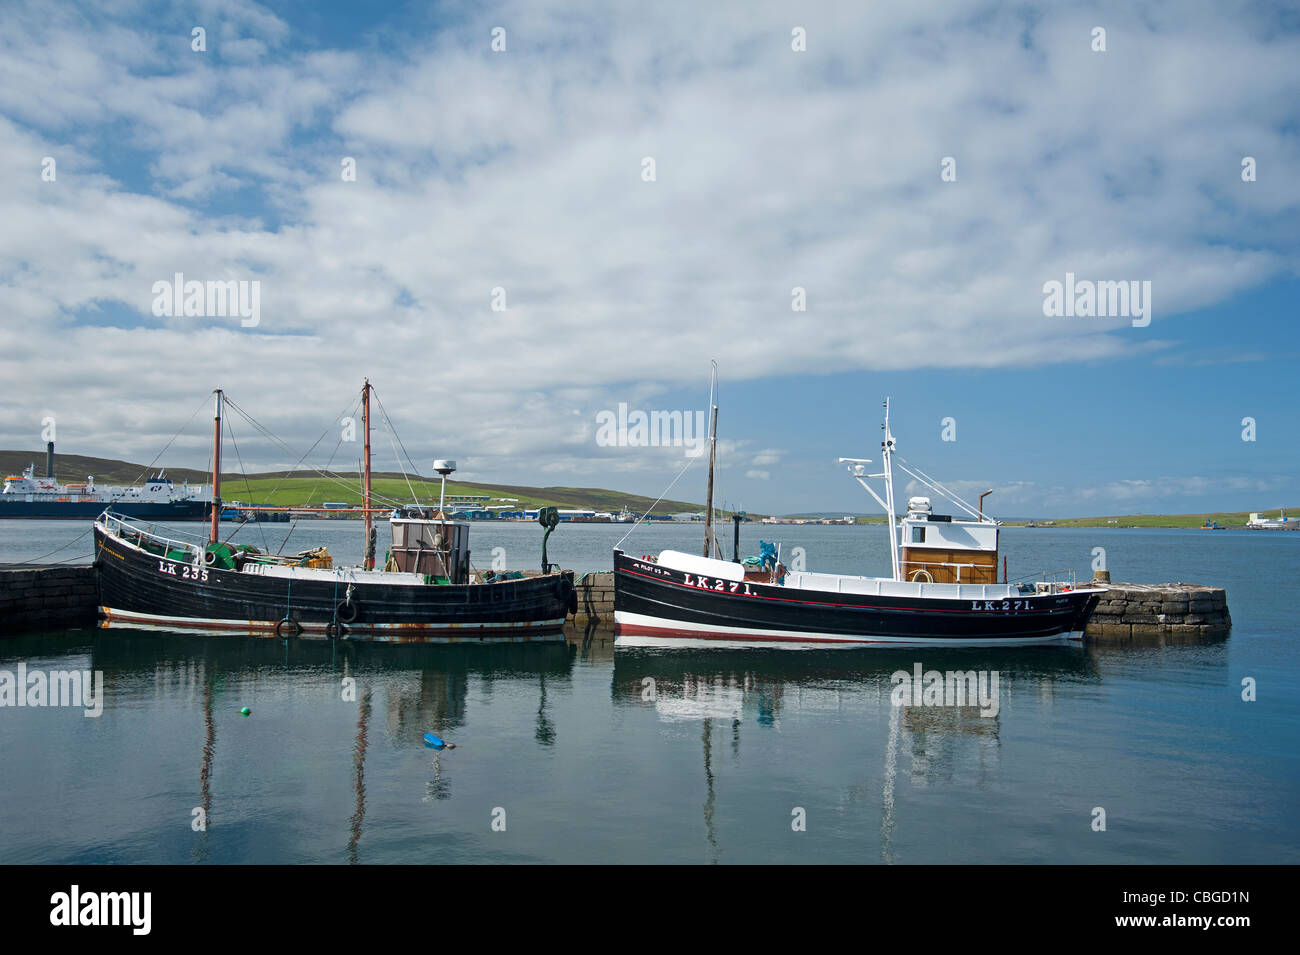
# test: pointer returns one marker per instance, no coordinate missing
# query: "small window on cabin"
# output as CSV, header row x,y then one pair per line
x,y
918,535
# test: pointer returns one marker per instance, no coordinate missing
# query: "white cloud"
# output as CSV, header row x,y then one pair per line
x,y
522,170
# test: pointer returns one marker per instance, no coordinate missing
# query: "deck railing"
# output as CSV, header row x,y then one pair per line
x,y
887,587
116,526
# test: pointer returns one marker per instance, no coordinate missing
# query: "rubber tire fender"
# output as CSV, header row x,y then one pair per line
x,y
282,625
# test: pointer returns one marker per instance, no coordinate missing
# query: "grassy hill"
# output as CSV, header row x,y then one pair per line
x,y
287,489
75,467
284,491
1222,518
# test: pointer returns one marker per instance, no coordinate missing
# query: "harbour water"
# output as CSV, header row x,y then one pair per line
x,y
577,752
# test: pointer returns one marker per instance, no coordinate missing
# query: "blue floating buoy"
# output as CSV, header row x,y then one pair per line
x,y
434,741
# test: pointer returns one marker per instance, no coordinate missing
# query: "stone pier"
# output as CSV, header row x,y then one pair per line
x,y
595,598
1140,612
40,597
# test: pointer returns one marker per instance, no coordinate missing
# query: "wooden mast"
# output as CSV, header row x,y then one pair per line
x,y
713,448
368,563
215,534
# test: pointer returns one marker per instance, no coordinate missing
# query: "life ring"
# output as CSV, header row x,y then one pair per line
x,y
347,612
280,627
921,575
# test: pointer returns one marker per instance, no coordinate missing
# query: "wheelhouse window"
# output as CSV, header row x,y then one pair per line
x,y
918,535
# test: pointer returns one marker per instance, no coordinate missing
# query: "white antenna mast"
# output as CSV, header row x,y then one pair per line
x,y
857,468
887,452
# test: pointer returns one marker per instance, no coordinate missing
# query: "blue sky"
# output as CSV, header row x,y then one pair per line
x,y
524,170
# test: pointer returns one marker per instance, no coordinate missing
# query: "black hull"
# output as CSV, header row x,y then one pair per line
x,y
89,510
656,602
140,589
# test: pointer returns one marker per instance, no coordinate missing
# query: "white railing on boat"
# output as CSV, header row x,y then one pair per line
x,y
887,587
115,525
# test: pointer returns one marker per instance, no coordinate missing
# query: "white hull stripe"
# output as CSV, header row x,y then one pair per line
x,y
127,618
634,629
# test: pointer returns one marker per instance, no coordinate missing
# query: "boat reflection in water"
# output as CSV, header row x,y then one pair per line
x,y
764,684
726,690
410,688
612,755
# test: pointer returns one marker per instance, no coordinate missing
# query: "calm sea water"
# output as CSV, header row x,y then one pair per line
x,y
563,745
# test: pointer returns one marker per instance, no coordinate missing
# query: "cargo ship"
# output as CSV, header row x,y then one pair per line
x,y
158,499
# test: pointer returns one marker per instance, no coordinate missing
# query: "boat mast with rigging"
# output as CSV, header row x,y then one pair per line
x,y
713,457
858,468
215,534
368,562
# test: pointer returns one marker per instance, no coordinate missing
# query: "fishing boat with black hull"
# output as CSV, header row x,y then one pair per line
x,y
426,591
943,590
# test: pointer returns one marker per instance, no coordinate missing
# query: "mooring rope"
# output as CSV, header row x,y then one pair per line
x,y
689,462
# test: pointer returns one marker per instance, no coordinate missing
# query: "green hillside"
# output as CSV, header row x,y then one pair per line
x,y
288,489
76,467
280,491
1222,518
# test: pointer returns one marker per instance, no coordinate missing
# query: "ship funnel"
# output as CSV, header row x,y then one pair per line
x,y
49,459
